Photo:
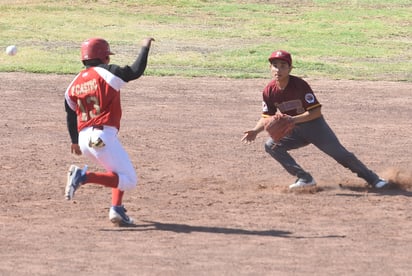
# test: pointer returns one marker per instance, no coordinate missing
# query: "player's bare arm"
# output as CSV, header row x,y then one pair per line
x,y
250,135
307,115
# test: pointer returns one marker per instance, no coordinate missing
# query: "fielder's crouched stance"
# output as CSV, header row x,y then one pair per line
x,y
92,103
292,116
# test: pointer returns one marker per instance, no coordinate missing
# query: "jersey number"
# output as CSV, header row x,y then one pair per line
x,y
89,114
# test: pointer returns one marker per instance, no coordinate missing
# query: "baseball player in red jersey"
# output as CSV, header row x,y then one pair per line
x,y
290,95
92,103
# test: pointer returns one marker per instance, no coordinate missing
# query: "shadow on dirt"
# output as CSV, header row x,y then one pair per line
x,y
184,228
394,189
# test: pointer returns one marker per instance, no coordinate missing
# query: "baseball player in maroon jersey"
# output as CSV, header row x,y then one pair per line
x,y
92,103
290,95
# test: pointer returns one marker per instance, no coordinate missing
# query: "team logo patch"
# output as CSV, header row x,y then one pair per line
x,y
310,98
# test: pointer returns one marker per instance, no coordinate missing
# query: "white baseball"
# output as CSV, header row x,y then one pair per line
x,y
11,50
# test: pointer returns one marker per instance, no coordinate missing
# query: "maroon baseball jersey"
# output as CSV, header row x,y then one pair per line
x,y
296,98
95,96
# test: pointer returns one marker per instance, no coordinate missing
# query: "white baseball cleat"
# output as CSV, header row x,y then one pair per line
x,y
382,183
75,178
300,182
117,215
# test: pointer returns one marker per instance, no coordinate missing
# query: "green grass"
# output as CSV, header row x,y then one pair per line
x,y
363,39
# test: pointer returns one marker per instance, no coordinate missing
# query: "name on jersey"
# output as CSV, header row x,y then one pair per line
x,y
291,105
84,88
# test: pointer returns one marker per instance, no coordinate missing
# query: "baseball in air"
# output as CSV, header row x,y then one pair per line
x,y
11,50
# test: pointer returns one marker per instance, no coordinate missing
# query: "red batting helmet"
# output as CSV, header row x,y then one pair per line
x,y
95,48
283,55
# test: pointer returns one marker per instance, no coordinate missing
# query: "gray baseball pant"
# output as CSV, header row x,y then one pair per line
x,y
318,133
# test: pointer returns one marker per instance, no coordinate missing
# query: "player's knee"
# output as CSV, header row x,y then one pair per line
x,y
128,182
269,145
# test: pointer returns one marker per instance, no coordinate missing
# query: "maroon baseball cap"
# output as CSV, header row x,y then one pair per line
x,y
283,55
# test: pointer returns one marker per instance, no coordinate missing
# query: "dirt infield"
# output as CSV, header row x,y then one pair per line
x,y
206,204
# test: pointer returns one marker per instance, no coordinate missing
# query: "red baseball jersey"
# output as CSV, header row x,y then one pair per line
x,y
95,96
296,98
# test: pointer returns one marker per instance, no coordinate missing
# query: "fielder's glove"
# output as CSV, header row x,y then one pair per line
x,y
279,126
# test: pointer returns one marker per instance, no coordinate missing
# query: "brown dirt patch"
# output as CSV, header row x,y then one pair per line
x,y
206,204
